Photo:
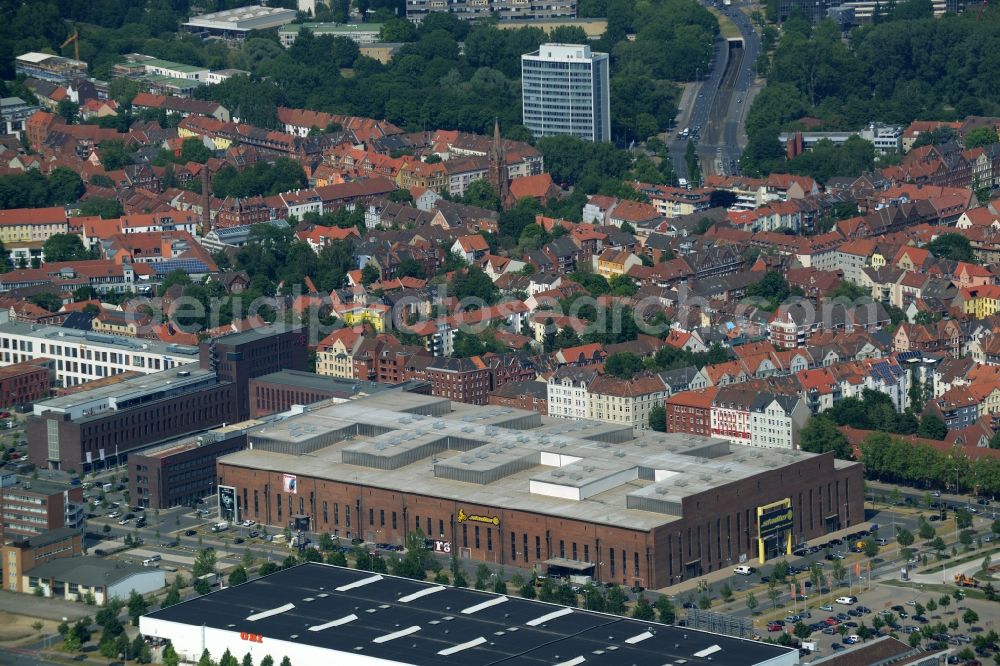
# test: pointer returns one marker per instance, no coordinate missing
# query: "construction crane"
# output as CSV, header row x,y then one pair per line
x,y
75,39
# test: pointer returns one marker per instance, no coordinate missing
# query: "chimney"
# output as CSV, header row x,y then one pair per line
x,y
206,201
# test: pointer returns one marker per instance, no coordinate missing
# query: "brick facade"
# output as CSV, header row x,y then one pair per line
x,y
719,525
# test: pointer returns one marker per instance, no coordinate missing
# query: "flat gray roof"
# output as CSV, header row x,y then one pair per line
x,y
129,389
116,343
501,457
88,571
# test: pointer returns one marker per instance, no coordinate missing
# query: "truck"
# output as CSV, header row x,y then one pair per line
x,y
965,581
220,527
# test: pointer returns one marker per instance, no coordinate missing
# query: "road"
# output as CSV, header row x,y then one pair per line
x,y
719,109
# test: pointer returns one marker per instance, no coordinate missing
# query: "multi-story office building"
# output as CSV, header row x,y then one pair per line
x,y
181,471
81,356
33,506
240,357
86,429
22,554
565,90
504,10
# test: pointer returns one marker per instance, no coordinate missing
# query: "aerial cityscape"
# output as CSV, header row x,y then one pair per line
x,y
488,332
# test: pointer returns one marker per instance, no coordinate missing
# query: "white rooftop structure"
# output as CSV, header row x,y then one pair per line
x,y
243,19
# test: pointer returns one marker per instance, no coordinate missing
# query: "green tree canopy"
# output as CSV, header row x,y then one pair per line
x,y
65,247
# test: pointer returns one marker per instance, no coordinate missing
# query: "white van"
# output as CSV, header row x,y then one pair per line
x,y
847,601
743,570
151,561
107,487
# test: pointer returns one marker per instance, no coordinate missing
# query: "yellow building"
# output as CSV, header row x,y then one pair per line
x,y
26,225
613,262
220,142
375,316
981,301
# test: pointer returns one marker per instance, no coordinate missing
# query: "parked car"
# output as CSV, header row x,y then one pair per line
x,y
774,626
826,607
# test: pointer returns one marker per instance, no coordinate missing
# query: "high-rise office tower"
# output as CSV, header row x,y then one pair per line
x,y
564,90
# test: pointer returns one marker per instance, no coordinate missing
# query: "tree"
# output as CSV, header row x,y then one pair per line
x,y
623,364
49,301
614,600
821,434
925,530
64,247
665,609
871,547
106,209
65,186
237,576
658,418
194,149
751,602
170,657
204,562
802,630
839,570
952,246
285,661
932,427
113,154
773,287
206,659
963,518
137,606
172,597
980,136
69,110
268,660
773,592
643,610
369,274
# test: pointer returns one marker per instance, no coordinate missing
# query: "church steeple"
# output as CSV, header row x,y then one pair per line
x,y
498,174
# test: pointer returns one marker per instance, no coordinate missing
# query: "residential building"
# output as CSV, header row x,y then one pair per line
x,y
565,90
691,411
567,393
529,395
335,354
775,421
21,225
626,401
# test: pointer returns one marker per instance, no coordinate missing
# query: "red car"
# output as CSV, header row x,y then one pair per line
x,y
774,626
832,621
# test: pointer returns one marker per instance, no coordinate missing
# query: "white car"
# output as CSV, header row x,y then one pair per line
x,y
847,601
249,523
